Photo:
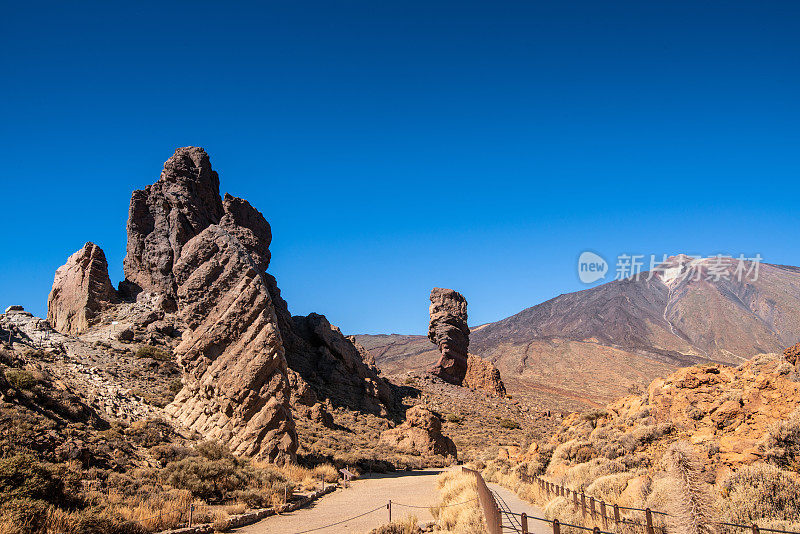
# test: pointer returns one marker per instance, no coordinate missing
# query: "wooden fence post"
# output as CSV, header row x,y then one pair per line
x,y
191,513
755,529
592,508
603,513
596,530
556,527
583,505
648,515
389,506
616,514
524,522
575,500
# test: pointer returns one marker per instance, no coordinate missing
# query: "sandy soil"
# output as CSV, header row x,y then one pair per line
x,y
417,488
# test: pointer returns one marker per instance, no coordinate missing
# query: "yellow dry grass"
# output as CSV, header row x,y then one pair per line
x,y
459,511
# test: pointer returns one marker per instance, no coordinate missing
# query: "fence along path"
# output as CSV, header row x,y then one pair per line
x,y
612,514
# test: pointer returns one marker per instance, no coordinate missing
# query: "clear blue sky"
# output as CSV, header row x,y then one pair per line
x,y
397,146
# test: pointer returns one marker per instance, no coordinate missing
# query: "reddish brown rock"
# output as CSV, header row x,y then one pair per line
x,y
421,432
792,354
333,365
483,376
81,290
164,216
449,331
236,387
250,227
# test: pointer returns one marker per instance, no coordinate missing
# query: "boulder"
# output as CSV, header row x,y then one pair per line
x,y
81,290
483,376
15,308
449,331
421,432
236,388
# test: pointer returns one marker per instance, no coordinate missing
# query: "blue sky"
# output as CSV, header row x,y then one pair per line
x,y
397,146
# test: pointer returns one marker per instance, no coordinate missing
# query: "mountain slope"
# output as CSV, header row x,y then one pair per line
x,y
592,346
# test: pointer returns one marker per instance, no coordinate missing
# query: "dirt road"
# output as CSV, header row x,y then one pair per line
x,y
416,488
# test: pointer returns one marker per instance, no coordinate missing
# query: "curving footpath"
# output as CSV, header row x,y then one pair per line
x,y
325,516
510,500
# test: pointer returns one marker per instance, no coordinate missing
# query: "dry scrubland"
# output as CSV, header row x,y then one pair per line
x,y
707,444
64,469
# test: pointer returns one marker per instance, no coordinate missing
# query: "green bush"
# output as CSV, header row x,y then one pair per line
x,y
453,418
155,353
509,423
175,386
21,379
23,478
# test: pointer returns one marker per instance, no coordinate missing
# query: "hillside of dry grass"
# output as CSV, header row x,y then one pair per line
x,y
723,438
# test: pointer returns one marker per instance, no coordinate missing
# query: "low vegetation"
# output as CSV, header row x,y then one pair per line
x,y
459,511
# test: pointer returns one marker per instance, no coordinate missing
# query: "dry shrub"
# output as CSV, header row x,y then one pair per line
x,y
328,471
302,476
581,475
408,525
236,509
688,498
160,512
562,509
459,511
781,445
762,494
609,488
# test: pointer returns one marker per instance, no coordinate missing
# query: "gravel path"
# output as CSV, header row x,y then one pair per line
x,y
517,505
416,488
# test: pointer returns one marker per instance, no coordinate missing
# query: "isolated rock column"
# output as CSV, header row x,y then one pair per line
x,y
449,331
81,289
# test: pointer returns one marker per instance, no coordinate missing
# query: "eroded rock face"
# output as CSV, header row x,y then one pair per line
x,y
421,432
236,387
335,366
792,354
164,216
449,331
483,376
81,290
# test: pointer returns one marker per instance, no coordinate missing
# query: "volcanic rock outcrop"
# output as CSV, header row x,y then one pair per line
x,y
236,385
421,432
196,264
483,376
164,216
336,367
449,331
792,354
81,289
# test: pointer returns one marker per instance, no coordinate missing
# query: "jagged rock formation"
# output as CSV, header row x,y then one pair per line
x,y
209,255
81,289
236,384
335,366
164,216
422,433
449,331
483,376
196,269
